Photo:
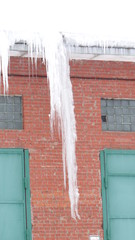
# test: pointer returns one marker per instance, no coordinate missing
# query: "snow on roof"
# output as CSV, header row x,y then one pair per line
x,y
83,47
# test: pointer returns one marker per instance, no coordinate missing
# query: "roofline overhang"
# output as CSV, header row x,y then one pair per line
x,y
114,53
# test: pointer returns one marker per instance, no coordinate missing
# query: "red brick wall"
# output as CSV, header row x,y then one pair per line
x,y
92,80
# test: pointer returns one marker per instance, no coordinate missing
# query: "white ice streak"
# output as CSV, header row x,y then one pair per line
x,y
55,55
62,110
4,48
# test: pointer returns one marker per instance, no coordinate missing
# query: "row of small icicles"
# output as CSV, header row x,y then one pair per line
x,y
55,56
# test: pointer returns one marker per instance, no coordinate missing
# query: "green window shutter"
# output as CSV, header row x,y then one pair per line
x,y
27,199
14,203
102,160
118,194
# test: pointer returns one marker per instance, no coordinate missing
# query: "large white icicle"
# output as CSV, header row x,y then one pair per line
x,y
4,48
55,55
62,110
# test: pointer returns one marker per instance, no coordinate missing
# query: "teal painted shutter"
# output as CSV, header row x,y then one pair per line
x,y
13,202
118,193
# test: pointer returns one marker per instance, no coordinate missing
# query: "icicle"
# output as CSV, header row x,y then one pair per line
x,y
62,107
54,52
4,48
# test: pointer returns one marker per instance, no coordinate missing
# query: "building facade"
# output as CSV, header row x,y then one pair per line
x,y
104,99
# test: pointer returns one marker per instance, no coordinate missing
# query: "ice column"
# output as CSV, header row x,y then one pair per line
x,y
62,110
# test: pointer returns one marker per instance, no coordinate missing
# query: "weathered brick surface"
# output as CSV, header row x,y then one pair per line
x,y
91,81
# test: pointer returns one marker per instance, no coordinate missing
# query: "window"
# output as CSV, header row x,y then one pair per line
x,y
15,217
118,115
11,112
